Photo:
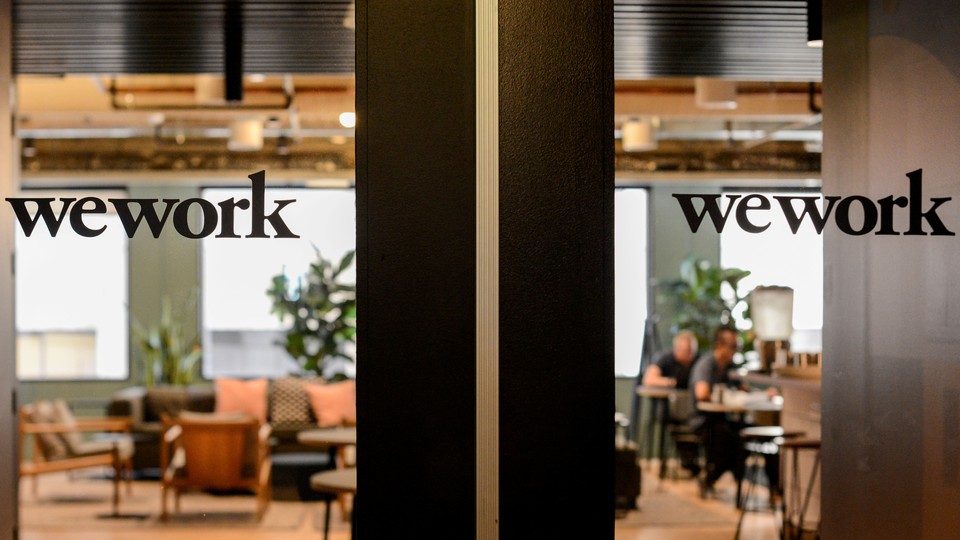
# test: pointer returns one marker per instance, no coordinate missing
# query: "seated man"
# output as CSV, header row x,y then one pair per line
x,y
672,368
721,437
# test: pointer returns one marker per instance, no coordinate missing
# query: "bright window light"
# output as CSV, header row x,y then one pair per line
x,y
239,332
630,233
777,256
71,308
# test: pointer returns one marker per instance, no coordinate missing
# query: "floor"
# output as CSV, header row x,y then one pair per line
x,y
663,515
681,497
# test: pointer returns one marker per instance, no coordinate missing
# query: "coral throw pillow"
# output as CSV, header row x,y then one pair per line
x,y
250,397
334,404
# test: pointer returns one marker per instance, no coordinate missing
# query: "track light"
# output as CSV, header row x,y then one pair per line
x,y
638,135
246,135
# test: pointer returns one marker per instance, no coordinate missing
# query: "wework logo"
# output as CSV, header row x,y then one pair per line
x,y
134,212
876,217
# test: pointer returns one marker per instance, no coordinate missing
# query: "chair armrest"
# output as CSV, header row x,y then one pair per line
x,y
263,439
92,424
112,423
171,435
171,452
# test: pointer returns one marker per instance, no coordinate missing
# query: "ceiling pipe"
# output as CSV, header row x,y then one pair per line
x,y
769,135
123,105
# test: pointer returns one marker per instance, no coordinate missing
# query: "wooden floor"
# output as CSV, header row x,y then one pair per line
x,y
757,526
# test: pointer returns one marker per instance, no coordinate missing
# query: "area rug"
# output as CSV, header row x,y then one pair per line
x,y
84,503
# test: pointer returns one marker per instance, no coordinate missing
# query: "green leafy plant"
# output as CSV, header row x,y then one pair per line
x,y
320,313
168,357
699,299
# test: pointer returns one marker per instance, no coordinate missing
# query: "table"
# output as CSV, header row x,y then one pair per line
x,y
337,439
739,409
337,482
660,395
328,437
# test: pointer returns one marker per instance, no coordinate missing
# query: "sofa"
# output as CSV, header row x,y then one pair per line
x,y
288,404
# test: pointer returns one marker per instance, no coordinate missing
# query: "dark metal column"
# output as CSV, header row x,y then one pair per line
x,y
556,270
416,269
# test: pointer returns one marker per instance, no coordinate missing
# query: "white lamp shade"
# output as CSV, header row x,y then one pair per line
x,y
638,136
246,135
771,309
715,93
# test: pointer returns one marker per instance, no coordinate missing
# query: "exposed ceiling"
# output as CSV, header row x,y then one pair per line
x,y
180,36
746,40
88,70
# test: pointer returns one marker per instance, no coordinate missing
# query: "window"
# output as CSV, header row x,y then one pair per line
x,y
630,237
777,256
71,298
239,332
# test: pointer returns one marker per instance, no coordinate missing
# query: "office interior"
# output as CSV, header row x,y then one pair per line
x,y
92,115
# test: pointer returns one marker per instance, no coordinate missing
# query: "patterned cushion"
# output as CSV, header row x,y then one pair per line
x,y
289,404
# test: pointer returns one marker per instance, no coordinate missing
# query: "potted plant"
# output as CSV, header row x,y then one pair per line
x,y
320,313
704,298
168,356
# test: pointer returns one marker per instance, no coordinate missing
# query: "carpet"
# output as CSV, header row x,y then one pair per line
x,y
81,503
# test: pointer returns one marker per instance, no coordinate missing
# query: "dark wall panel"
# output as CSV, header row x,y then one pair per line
x,y
556,269
416,269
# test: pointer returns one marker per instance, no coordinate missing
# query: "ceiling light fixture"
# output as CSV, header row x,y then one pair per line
x,y
28,150
348,119
638,135
712,93
283,145
246,135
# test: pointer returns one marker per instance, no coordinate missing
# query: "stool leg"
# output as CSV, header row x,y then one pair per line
x,y
742,503
326,516
806,498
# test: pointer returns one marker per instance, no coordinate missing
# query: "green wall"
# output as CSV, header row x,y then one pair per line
x,y
157,266
671,242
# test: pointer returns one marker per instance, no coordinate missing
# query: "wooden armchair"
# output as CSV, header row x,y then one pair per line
x,y
211,451
58,444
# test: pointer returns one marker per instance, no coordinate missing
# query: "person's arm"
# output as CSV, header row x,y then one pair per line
x,y
654,377
702,390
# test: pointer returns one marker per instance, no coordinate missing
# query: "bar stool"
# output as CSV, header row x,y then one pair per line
x,y
794,511
761,442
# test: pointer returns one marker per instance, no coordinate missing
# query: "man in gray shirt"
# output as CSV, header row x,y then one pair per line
x,y
721,438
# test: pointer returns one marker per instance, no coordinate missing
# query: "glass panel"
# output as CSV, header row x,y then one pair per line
x,y
240,334
71,305
630,233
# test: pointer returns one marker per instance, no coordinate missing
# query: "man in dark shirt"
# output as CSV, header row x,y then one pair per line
x,y
672,368
721,438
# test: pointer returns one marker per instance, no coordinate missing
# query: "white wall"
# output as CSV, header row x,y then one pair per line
x,y
891,387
